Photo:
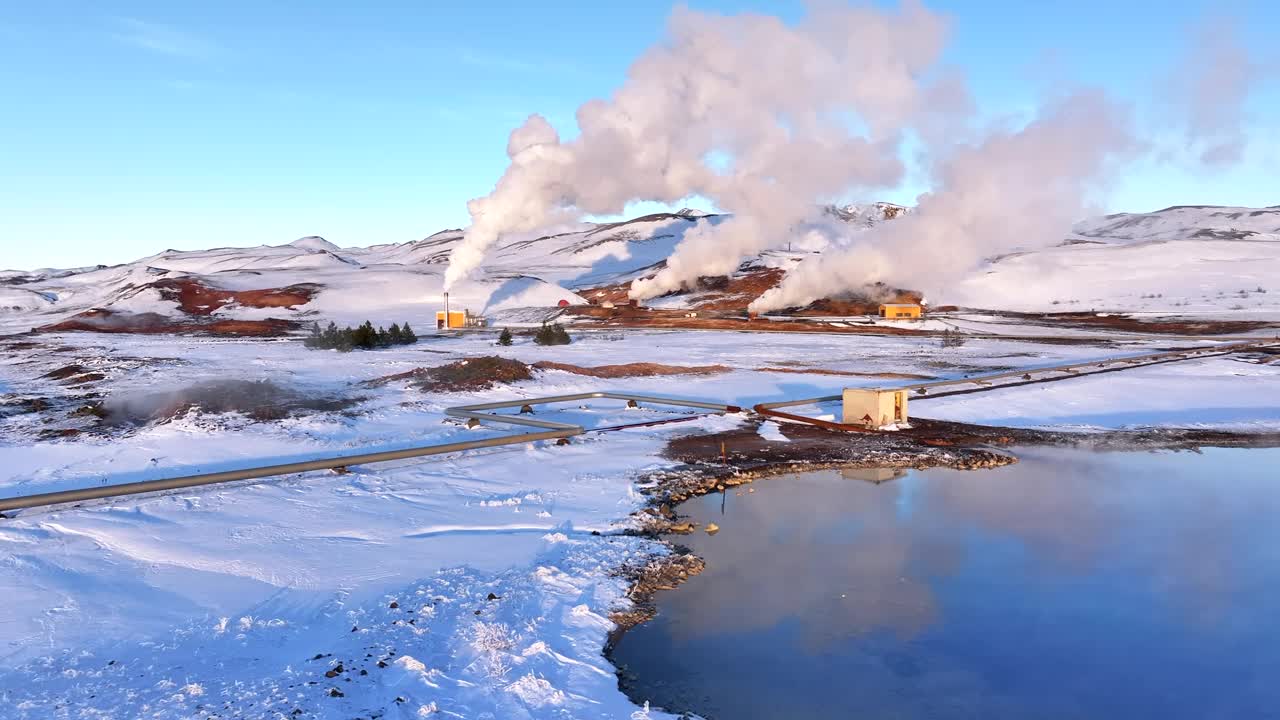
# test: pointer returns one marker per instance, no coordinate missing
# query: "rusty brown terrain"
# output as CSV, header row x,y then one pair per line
x,y
195,298
636,369
111,321
1128,323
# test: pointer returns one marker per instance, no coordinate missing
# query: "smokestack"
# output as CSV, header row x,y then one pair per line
x,y
446,311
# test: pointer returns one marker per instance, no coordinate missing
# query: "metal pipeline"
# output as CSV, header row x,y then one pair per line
x,y
147,486
983,383
549,431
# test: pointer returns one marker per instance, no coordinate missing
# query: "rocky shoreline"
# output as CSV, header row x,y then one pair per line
x,y
715,462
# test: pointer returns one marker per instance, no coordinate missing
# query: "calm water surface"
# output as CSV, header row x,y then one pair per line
x,y
1070,585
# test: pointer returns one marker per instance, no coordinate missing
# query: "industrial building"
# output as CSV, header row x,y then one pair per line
x,y
875,408
454,319
447,319
901,311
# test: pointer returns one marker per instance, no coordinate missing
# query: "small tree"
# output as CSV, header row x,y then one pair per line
x,y
504,338
394,335
365,336
952,338
407,335
552,335
560,334
315,339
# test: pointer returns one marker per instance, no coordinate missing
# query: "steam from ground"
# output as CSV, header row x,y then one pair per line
x,y
761,118
769,121
1015,189
1218,74
260,400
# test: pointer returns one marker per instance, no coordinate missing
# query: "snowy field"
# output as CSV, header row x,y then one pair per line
x,y
471,585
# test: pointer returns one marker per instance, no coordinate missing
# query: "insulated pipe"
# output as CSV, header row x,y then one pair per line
x,y
148,486
552,431
984,384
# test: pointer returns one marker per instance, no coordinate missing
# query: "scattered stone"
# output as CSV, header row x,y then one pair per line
x,y
335,692
683,528
494,597
712,528
394,605
336,671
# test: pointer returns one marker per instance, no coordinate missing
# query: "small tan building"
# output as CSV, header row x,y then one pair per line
x,y
874,408
900,311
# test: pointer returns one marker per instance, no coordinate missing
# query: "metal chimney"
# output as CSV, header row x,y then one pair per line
x,y
446,311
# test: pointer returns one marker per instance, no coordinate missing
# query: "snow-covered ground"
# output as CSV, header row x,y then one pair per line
x,y
1181,261
236,601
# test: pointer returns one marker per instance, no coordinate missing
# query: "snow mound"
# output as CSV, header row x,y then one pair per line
x,y
23,300
314,242
1186,222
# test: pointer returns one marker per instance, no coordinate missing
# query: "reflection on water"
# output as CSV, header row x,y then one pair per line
x,y
1069,585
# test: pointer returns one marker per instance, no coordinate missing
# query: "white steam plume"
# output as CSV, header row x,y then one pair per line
x,y
1215,79
1020,188
762,118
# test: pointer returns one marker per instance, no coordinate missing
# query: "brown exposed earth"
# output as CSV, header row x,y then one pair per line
x,y
719,295
111,321
636,369
195,298
1127,323
642,317
849,373
477,373
717,460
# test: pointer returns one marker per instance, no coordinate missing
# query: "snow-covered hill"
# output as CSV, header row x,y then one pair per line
x,y
1180,260
1185,259
389,283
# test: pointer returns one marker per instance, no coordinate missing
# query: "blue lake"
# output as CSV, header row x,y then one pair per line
x,y
1069,585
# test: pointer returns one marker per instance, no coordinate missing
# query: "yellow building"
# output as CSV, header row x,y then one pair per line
x,y
900,311
874,408
455,320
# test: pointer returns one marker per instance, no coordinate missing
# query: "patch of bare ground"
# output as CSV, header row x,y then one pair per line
x,y
636,369
1127,323
195,298
15,345
733,293
110,321
861,303
477,373
65,372
643,317
712,462
849,373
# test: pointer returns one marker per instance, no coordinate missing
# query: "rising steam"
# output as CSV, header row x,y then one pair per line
x,y
1015,189
1215,78
768,120
761,118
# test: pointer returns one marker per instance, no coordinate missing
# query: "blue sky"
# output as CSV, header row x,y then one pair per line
x,y
132,127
